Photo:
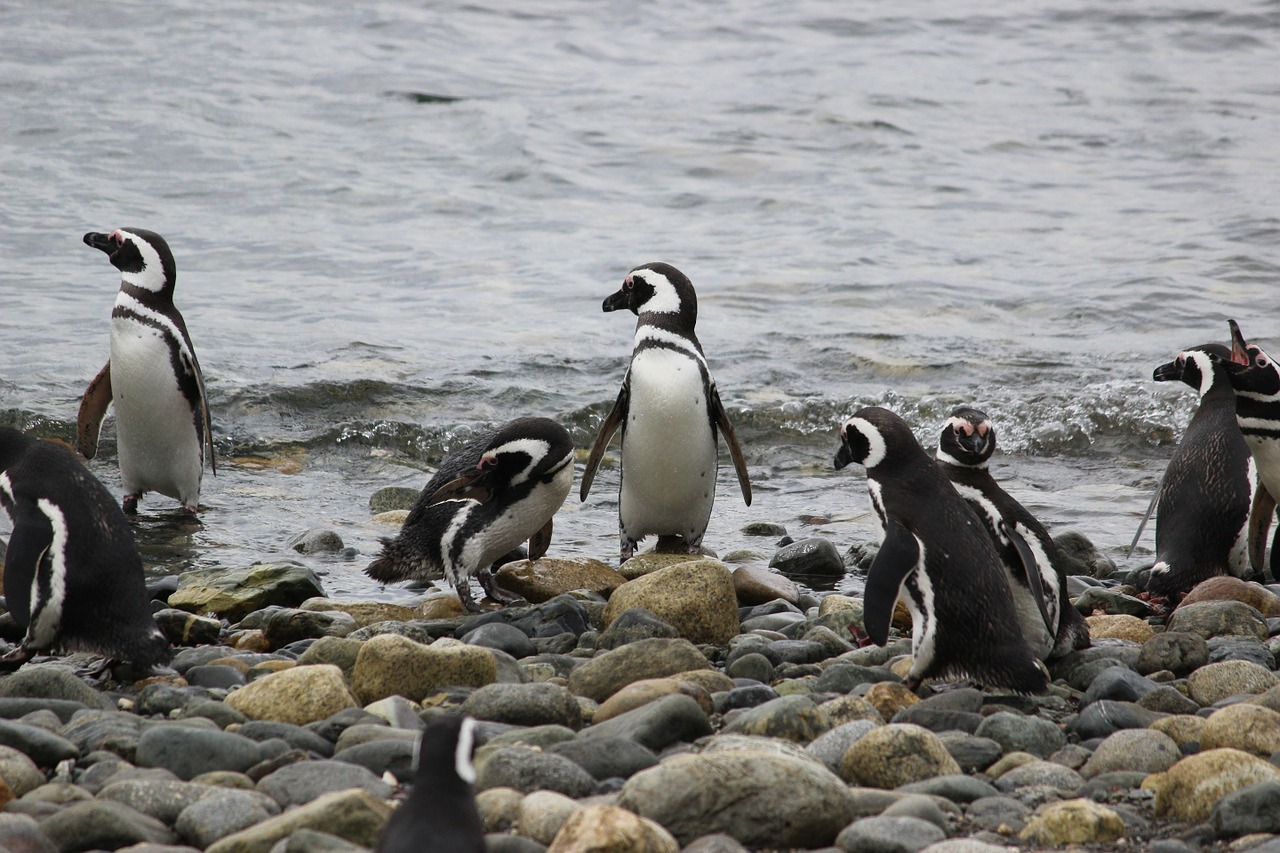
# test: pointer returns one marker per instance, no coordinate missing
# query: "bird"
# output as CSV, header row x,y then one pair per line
x,y
670,416
500,490
1205,497
73,579
440,815
937,557
163,431
1032,561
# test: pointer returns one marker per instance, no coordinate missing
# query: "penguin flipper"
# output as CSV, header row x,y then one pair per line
x,y
1151,507
731,439
1260,514
28,544
93,408
899,555
540,542
608,427
1031,569
205,423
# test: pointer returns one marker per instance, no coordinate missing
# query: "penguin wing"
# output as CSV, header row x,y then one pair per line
x,y
32,535
93,408
204,425
1151,507
1264,507
899,555
192,384
616,417
1031,569
721,419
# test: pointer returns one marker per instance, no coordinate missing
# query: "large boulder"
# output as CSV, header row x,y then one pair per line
x,y
697,598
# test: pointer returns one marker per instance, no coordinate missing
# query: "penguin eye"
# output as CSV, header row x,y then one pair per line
x,y
117,238
1262,360
628,283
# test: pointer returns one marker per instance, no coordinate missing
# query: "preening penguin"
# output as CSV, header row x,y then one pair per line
x,y
440,815
1204,500
497,492
72,575
1032,560
670,416
937,557
152,378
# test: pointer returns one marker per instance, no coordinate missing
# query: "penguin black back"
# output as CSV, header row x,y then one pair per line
x,y
440,815
73,577
938,558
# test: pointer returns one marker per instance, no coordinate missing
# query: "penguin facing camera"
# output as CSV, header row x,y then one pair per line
x,y
937,557
487,498
152,378
670,417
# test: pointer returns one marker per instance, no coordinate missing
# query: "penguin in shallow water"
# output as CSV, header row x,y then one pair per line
x,y
72,575
440,815
497,492
1032,561
152,378
670,415
936,556
1205,497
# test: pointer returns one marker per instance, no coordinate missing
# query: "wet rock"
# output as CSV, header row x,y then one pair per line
x,y
736,793
1188,790
1104,717
809,557
900,834
390,665
221,813
764,528
390,498
317,540
524,705
1073,822
1119,627
296,784
755,585
641,693
1180,652
503,637
235,593
1249,728
1081,557
187,629
1015,732
542,580
696,598
605,674
1145,750
353,815
103,824
1211,619
896,754
1118,683
288,625
609,829
1255,808
607,757
656,725
526,770
633,624
651,561
795,718
299,696
1226,588
1216,681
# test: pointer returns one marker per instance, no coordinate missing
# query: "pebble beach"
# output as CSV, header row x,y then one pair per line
x,y
677,704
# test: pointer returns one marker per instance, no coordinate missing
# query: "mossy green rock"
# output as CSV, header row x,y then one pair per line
x,y
299,695
235,593
1189,789
1073,822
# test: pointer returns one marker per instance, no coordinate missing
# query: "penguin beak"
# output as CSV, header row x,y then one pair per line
x,y
100,241
844,456
617,301
475,485
974,442
1239,346
1167,372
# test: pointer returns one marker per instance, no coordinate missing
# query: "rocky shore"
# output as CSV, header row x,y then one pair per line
x,y
679,704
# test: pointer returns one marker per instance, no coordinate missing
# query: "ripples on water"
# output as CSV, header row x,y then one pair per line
x,y
394,222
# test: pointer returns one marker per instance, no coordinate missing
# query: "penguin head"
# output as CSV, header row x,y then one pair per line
x,y
865,437
142,256
445,750
1196,366
1250,368
968,439
524,449
656,288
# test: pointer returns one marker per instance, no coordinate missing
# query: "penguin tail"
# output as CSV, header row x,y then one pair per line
x,y
1017,670
397,563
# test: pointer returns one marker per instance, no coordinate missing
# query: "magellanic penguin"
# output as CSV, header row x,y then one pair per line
x,y
500,490
152,378
1032,561
72,575
440,815
1204,501
936,556
670,415
1256,380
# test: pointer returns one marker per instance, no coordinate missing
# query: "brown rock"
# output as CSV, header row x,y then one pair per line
x,y
894,755
300,695
1227,588
889,698
757,585
643,692
1073,822
392,665
695,597
609,829
1189,789
364,612
650,561
606,674
542,580
1250,728
1120,627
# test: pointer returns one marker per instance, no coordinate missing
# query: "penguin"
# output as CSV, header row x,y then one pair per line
x,y
72,575
1256,381
670,416
1205,497
440,815
936,555
1032,561
163,428
500,490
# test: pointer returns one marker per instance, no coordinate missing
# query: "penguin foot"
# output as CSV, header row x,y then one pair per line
x,y
14,658
490,586
130,503
191,509
861,638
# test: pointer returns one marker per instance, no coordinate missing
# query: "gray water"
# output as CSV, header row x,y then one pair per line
x,y
394,223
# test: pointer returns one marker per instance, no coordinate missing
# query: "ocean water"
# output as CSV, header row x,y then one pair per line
x,y
394,223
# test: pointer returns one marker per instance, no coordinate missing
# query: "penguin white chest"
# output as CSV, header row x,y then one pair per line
x,y
158,445
518,522
1266,455
668,449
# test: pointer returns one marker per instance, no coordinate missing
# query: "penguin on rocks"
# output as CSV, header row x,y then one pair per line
x,y
497,492
440,815
73,579
1255,377
937,557
163,431
1032,561
670,416
1205,497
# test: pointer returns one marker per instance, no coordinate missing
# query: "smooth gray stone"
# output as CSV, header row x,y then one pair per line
x,y
296,736
1180,652
845,677
103,824
42,746
1240,648
12,708
1169,700
52,681
1118,683
1018,733
296,784
920,806
114,731
379,756
830,746
219,677
1105,716
753,665
162,799
888,835
989,813
799,651
1248,810
536,704
971,752
495,842
809,557
221,813
220,713
504,637
529,771
21,833
1041,773
658,724
189,751
964,699
939,719
314,841
1105,786
607,757
957,789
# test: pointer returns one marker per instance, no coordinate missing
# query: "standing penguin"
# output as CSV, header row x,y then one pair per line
x,y
1205,496
936,556
72,575
1032,560
670,415
498,491
152,377
440,815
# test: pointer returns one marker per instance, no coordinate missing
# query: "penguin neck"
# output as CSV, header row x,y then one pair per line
x,y
157,299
